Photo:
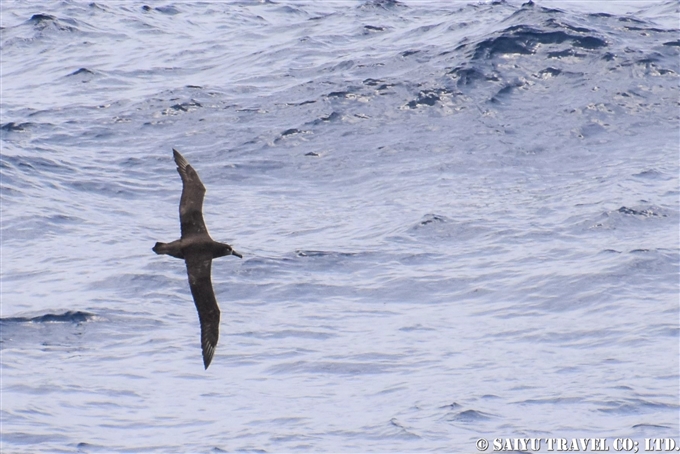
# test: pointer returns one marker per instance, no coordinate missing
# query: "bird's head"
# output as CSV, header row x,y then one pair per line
x,y
225,249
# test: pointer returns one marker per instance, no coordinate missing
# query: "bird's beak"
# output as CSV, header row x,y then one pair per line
x,y
233,252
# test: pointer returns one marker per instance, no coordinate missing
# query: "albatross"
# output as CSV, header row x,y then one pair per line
x,y
198,250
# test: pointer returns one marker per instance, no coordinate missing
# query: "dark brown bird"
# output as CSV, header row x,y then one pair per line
x,y
197,249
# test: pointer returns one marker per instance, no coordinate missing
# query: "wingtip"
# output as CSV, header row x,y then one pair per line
x,y
179,159
208,353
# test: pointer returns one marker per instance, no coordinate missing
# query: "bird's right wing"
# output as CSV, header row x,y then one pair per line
x,y
191,203
198,269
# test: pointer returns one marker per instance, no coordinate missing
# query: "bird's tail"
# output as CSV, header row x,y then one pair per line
x,y
160,248
172,249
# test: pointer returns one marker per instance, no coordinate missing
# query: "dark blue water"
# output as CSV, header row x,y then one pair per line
x,y
458,221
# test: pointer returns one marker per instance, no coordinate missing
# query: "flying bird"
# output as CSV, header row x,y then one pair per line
x,y
198,250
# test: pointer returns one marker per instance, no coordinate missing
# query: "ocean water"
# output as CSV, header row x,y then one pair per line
x,y
459,220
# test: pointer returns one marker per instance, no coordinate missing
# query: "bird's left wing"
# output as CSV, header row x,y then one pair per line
x,y
191,203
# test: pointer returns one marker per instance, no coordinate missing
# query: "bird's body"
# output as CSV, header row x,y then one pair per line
x,y
197,249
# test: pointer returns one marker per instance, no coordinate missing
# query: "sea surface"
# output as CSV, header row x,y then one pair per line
x,y
458,220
